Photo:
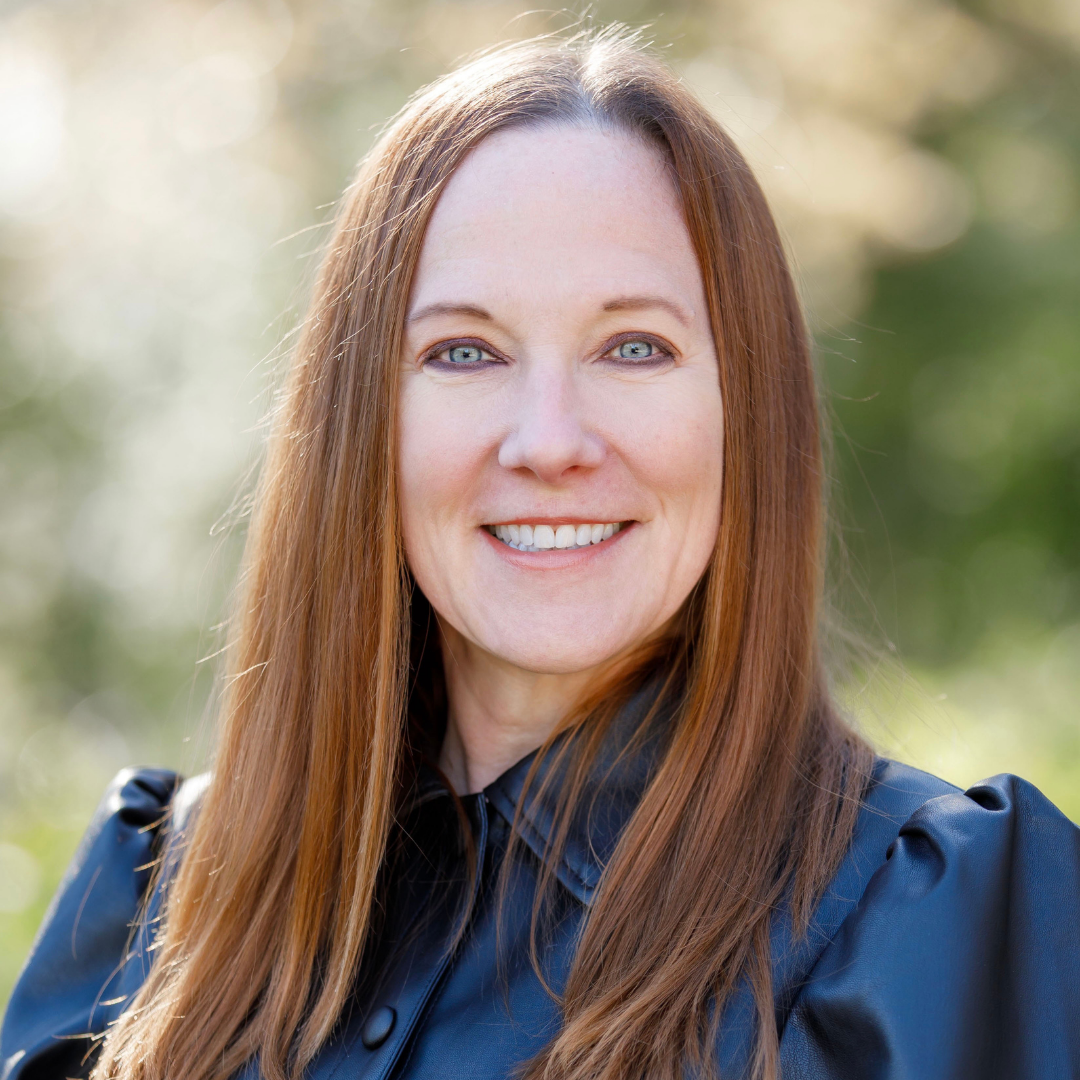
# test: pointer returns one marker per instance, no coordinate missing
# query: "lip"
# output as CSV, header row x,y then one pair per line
x,y
554,558
555,522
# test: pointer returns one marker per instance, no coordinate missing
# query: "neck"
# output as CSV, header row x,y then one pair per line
x,y
498,712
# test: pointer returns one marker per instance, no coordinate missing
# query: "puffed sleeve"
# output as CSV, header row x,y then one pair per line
x,y
962,959
70,986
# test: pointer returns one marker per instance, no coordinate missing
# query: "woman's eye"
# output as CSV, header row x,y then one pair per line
x,y
640,352
636,350
466,354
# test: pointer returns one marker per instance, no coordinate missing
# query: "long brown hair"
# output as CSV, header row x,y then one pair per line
x,y
753,805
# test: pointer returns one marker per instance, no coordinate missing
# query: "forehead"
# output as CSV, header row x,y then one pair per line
x,y
561,209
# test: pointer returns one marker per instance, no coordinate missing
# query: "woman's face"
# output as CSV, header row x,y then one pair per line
x,y
561,421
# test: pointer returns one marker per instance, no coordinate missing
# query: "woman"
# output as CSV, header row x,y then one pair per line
x,y
528,764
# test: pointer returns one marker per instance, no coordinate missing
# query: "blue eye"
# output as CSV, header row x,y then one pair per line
x,y
636,350
465,354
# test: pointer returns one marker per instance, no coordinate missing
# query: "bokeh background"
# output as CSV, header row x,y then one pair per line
x,y
166,167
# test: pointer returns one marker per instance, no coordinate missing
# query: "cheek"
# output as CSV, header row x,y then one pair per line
x,y
422,470
676,451
441,451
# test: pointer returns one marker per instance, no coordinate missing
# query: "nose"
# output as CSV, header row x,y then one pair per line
x,y
548,436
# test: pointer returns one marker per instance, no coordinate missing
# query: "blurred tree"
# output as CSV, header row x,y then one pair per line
x,y
957,396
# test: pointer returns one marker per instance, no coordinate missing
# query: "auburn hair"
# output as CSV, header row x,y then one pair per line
x,y
753,805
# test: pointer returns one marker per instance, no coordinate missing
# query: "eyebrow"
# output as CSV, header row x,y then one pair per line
x,y
640,303
430,310
619,303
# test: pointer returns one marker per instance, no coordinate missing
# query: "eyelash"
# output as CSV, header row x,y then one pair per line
x,y
663,354
432,355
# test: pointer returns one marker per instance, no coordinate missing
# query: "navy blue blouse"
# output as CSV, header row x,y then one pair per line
x,y
947,946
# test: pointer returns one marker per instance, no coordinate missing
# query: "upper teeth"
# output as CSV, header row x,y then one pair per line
x,y
546,537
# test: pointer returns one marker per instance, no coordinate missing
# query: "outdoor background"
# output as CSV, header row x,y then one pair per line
x,y
164,167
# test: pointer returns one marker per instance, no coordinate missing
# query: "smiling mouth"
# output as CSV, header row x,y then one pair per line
x,y
554,537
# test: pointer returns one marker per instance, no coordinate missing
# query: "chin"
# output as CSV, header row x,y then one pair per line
x,y
555,653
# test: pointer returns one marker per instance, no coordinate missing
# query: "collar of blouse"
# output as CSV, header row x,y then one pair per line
x,y
630,751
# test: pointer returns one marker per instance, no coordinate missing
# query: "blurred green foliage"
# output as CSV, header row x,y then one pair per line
x,y
158,155
956,400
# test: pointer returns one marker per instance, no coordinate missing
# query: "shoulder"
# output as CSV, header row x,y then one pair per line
x,y
77,976
1000,837
957,949
893,793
